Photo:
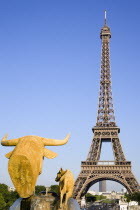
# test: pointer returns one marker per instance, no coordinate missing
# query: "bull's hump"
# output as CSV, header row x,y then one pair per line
x,y
31,138
30,141
28,144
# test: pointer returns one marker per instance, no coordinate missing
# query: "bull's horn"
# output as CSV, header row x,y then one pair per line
x,y
11,142
54,142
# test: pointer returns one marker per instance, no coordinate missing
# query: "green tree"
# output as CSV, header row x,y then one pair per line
x,y
8,197
109,201
100,197
3,189
133,197
55,188
128,197
2,202
13,196
90,198
5,193
136,197
39,188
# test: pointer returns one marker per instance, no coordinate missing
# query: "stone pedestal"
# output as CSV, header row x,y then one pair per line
x,y
43,202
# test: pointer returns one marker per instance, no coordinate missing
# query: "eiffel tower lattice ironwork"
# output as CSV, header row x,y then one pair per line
x,y
106,130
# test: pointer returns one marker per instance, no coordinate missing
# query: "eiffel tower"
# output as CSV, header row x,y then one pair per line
x,y
106,130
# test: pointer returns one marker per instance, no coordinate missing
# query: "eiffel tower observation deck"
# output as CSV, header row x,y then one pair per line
x,y
93,170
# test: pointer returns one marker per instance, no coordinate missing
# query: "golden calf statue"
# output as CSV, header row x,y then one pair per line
x,y
25,162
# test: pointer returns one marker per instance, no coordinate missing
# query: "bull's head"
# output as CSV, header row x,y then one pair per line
x,y
25,162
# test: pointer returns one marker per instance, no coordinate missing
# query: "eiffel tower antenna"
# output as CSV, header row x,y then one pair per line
x,y
105,18
93,170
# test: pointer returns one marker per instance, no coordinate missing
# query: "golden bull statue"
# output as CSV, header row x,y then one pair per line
x,y
25,162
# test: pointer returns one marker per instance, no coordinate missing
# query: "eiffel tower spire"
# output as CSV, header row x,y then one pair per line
x,y
105,116
105,18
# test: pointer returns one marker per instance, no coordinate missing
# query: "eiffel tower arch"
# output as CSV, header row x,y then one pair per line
x,y
93,170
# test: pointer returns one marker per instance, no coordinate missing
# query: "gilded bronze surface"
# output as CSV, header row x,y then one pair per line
x,y
25,161
66,184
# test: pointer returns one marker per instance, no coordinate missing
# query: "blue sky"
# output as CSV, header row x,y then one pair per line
x,y
49,76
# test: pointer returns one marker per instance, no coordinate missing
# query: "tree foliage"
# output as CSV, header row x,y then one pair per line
x,y
55,188
100,197
111,201
3,187
39,188
7,198
90,198
2,202
127,197
133,197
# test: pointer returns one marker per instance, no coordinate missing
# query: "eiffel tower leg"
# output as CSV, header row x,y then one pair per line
x,y
79,187
132,182
117,150
95,150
